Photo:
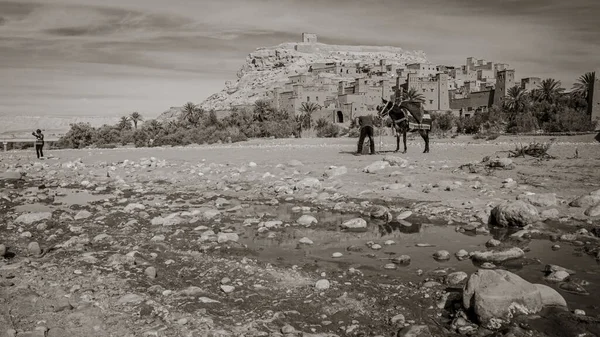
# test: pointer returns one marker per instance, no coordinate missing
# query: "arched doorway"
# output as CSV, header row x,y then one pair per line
x,y
340,117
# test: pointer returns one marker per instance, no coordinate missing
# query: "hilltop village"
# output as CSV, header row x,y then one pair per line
x,y
345,90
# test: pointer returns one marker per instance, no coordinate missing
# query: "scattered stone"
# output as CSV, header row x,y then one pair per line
x,y
307,220
551,214
376,166
356,223
551,268
456,278
337,255
322,284
227,237
404,215
150,272
398,319
514,214
462,255
130,299
586,201
579,312
593,211
308,183
34,249
557,276
30,218
83,214
539,200
335,171
497,256
550,297
441,255
2,250
415,331
305,241
503,163
227,288
493,243
401,260
390,266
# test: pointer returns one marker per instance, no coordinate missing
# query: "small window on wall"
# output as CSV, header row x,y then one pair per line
x,y
430,101
308,98
317,98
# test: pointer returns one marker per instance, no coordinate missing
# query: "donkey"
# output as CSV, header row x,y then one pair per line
x,y
407,116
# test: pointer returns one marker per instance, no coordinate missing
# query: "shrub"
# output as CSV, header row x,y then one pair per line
x,y
329,130
79,136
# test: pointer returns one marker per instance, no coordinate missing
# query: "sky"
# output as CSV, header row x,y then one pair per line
x,y
113,57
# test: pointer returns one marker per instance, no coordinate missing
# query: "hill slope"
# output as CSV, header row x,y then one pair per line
x,y
270,67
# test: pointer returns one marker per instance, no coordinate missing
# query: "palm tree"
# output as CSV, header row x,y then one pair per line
x,y
549,90
124,123
581,88
152,126
412,95
516,99
307,109
262,110
192,114
135,118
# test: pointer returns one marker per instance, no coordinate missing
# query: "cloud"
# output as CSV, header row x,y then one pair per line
x,y
123,54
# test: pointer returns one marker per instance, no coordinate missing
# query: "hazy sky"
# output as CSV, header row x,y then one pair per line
x,y
111,57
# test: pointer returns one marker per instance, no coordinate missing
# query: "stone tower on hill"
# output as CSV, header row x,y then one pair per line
x,y
309,38
504,81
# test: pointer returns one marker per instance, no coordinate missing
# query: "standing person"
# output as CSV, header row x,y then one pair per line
x,y
39,143
366,130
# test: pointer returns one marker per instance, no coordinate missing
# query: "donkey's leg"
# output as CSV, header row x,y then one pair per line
x,y
425,135
404,140
397,132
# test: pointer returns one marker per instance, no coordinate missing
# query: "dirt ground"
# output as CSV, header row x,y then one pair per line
x,y
245,240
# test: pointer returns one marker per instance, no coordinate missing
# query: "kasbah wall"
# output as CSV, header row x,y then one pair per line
x,y
481,85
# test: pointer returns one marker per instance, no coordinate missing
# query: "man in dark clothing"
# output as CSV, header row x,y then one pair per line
x,y
39,143
366,130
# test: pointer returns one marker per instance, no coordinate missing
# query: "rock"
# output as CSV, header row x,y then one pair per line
x,y
308,183
493,243
402,260
514,214
307,220
462,255
288,329
593,211
498,255
404,215
441,255
34,249
134,207
322,284
415,331
456,278
356,223
10,175
540,200
550,297
557,276
2,250
335,171
496,295
337,255
130,299
227,288
551,214
305,241
503,163
579,312
30,218
150,272
551,268
380,212
376,166
83,214
398,319
586,201
295,163
396,161
227,237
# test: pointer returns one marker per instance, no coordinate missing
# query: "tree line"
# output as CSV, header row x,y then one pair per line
x,y
546,108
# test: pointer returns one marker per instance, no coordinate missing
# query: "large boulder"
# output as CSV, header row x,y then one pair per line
x,y
593,211
514,214
496,296
586,201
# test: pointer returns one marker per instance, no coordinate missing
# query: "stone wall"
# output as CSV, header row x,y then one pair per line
x,y
594,100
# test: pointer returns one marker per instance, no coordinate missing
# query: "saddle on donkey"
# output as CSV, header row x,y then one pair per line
x,y
417,118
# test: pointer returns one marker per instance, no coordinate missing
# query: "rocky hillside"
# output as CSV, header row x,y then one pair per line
x,y
267,68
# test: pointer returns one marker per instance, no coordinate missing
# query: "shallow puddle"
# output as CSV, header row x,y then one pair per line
x,y
69,197
284,248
